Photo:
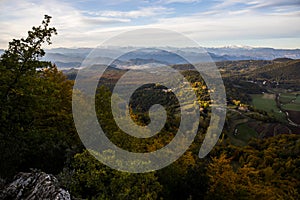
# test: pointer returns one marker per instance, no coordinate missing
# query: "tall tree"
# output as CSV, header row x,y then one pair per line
x,y
19,67
36,126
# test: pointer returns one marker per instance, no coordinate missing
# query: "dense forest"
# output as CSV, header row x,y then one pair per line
x,y
37,132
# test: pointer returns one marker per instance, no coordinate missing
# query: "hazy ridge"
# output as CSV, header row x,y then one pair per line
x,y
72,57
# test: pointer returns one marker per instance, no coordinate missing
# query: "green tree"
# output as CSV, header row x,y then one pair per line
x,y
89,178
20,67
36,127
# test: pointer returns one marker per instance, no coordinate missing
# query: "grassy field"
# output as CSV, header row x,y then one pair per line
x,y
244,134
297,99
266,102
290,102
292,106
286,98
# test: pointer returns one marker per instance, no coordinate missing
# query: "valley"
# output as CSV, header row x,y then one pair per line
x,y
272,100
126,105
258,106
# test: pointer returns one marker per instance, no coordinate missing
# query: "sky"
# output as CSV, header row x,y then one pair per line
x,y
211,23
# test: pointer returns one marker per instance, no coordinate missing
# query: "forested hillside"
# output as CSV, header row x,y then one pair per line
x,y
256,157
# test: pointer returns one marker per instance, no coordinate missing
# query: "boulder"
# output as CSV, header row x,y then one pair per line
x,y
34,185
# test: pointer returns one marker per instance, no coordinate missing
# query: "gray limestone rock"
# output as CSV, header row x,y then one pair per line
x,y
35,186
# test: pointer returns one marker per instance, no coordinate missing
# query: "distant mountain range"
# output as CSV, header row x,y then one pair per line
x,y
145,57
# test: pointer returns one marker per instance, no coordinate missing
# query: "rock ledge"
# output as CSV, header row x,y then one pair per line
x,y
34,185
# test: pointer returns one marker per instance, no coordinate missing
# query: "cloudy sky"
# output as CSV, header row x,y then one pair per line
x,y
211,23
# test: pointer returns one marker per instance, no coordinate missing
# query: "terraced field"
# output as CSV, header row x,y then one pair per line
x,y
286,98
293,105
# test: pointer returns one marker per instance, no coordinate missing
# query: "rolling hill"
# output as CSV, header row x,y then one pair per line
x,y
69,58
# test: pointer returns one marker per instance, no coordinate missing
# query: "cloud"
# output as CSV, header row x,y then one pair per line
x,y
226,26
228,20
17,17
275,3
142,12
104,20
257,5
178,1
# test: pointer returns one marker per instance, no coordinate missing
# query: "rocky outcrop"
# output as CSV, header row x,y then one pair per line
x,y
34,186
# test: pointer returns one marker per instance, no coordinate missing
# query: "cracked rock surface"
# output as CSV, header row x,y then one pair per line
x,y
34,185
